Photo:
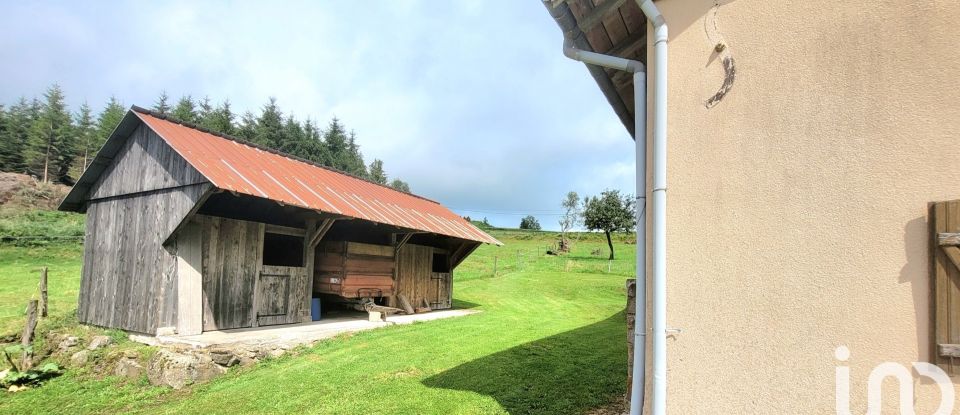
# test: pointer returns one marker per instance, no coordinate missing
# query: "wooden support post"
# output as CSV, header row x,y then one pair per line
x,y
26,361
43,292
405,304
494,266
403,241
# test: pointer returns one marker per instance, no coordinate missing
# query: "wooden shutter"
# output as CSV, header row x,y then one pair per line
x,y
945,247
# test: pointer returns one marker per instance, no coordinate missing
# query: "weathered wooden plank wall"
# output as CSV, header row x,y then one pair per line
x,y
128,279
144,163
415,277
281,294
231,260
190,280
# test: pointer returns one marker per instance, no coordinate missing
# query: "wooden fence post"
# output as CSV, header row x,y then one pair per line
x,y
43,292
494,265
26,362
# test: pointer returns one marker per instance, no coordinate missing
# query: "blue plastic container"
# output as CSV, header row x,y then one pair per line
x,y
315,309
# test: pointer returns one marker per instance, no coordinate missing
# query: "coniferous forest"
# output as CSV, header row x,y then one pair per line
x,y
44,138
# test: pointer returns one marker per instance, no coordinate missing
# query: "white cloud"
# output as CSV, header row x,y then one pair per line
x,y
472,102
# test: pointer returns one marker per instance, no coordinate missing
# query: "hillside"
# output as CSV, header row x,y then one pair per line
x,y
20,191
550,339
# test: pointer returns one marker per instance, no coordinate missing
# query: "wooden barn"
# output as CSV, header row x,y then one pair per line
x,y
190,231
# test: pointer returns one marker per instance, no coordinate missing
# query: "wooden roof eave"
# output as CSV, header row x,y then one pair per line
x,y
573,30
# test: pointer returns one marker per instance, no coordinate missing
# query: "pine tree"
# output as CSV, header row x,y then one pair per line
x,y
376,172
355,164
86,133
205,110
11,142
293,140
162,105
248,127
335,140
107,121
219,119
50,147
403,187
269,130
185,110
314,141
4,136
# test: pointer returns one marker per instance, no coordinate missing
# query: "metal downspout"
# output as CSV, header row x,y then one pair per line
x,y
659,205
640,142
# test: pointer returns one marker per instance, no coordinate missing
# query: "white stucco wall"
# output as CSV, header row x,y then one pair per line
x,y
798,206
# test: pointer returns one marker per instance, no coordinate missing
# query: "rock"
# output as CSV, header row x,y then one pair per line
x,y
67,343
129,368
98,342
224,357
15,388
80,358
206,369
177,370
275,353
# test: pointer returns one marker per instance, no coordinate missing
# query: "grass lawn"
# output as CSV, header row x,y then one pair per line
x,y
551,340
20,278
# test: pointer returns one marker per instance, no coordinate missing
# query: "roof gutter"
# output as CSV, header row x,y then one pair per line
x,y
659,404
640,143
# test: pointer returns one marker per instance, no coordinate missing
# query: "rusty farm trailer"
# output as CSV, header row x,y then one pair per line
x,y
190,231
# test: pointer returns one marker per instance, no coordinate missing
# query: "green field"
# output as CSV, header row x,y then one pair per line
x,y
551,339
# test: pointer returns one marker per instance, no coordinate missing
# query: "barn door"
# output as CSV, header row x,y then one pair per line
x,y
440,290
945,218
231,259
280,293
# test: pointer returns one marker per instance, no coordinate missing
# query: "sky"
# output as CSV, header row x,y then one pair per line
x,y
471,102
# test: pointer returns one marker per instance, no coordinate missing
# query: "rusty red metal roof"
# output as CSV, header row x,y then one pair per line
x,y
243,168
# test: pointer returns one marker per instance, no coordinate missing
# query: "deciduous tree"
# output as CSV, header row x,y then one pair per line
x,y
609,212
530,222
571,215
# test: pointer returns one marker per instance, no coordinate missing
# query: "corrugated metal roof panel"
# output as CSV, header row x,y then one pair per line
x,y
242,168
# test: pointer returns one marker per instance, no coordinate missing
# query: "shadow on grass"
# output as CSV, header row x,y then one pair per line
x,y
566,373
458,304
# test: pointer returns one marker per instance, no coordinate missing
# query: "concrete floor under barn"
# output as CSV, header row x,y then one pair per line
x,y
291,335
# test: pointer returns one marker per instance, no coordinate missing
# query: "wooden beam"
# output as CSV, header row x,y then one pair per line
x,y
949,350
948,238
285,230
588,21
465,255
953,253
455,254
321,231
629,45
406,237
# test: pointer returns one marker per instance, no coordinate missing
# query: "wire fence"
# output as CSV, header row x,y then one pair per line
x,y
539,260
